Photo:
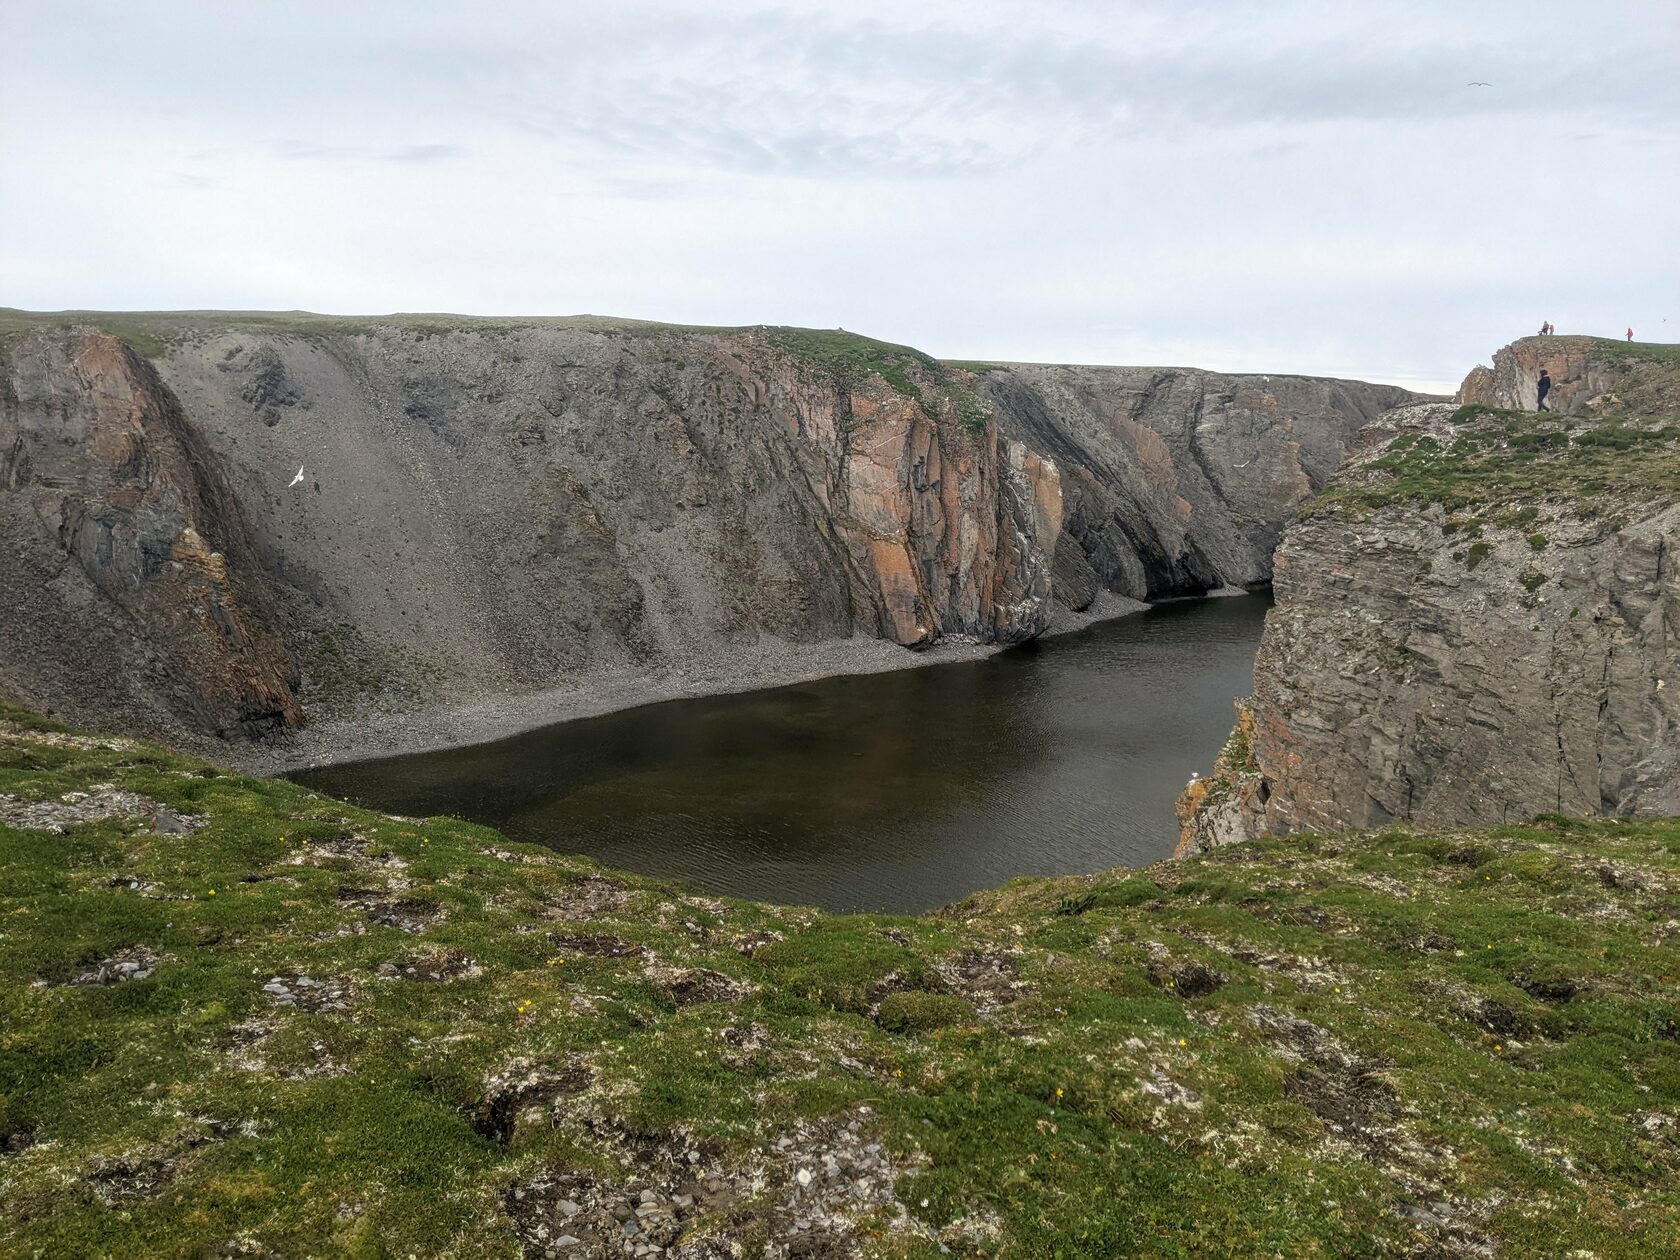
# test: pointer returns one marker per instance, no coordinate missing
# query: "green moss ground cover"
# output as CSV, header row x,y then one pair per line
x,y
1384,1044
851,357
1494,457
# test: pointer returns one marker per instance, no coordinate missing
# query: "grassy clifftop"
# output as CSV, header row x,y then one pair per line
x,y
1480,457
237,1017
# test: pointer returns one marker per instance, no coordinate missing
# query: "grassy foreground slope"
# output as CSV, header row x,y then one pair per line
x,y
239,1018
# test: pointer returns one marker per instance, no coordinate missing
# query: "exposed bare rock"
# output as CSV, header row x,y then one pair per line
x,y
1590,376
1475,624
1228,806
104,801
1178,481
137,962
132,589
496,510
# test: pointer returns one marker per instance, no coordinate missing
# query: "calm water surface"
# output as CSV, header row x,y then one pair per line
x,y
896,791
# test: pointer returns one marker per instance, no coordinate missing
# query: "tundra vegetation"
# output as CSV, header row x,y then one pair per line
x,y
238,1017
1485,459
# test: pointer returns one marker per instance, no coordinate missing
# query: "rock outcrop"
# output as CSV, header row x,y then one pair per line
x,y
1475,624
130,576
1591,376
1176,481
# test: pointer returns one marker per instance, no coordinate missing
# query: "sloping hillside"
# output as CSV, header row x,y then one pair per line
x,y
240,1018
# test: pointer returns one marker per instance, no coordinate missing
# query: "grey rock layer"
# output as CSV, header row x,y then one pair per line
x,y
493,511
1412,672
1392,684
502,512
130,579
1177,481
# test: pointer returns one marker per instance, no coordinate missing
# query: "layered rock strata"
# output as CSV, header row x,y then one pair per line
x,y
1591,376
497,508
1477,623
130,574
1178,481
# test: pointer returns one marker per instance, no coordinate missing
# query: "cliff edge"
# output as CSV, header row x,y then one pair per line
x,y
1476,621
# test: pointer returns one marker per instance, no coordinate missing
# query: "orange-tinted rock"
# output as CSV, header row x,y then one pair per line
x,y
163,594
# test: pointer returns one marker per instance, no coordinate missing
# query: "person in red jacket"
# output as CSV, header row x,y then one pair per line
x,y
1630,334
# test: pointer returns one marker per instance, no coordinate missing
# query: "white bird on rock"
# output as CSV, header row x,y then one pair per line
x,y
297,478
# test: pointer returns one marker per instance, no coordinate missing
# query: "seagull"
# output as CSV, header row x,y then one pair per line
x,y
297,478
1479,83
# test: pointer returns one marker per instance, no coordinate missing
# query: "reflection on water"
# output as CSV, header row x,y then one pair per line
x,y
896,791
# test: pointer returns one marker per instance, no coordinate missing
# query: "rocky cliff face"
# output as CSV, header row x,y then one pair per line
x,y
1476,623
506,507
131,581
1176,481
512,508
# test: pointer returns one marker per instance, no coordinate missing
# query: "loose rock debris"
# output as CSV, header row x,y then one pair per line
x,y
807,1195
304,993
689,985
134,963
438,968
598,946
101,802
407,914
63,739
590,898
986,978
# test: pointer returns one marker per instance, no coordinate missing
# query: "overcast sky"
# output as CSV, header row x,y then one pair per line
x,y
1303,187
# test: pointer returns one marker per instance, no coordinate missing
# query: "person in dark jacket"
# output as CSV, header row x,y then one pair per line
x,y
1545,388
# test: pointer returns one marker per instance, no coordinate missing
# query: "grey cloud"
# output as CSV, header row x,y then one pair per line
x,y
412,154
776,94
423,154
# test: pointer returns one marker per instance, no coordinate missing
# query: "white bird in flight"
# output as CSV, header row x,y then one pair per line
x,y
297,478
1478,83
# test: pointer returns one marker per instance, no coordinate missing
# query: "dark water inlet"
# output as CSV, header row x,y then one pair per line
x,y
898,791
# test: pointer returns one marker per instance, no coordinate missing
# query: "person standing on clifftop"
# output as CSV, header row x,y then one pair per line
x,y
1630,334
1545,388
